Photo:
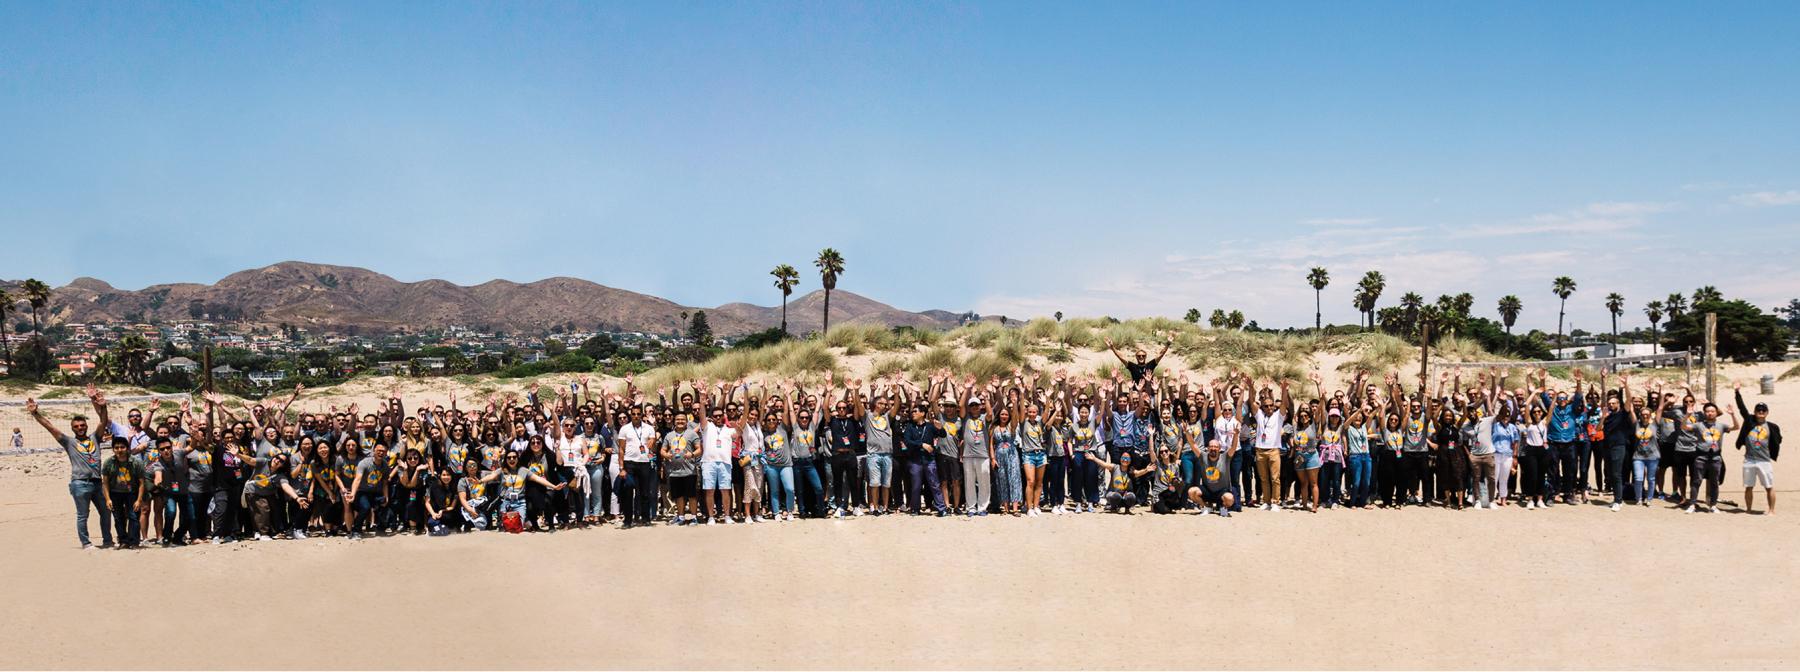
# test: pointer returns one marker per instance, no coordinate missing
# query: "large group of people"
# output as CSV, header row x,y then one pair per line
x,y
1028,444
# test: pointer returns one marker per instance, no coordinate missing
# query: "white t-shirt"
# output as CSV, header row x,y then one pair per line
x,y
1268,430
1225,430
637,440
717,442
572,450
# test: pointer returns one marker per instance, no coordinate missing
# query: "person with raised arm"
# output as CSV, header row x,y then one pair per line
x,y
977,454
1008,484
1761,442
85,463
1142,365
1270,421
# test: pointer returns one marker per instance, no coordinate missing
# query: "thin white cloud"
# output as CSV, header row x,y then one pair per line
x,y
1600,217
1765,198
1340,221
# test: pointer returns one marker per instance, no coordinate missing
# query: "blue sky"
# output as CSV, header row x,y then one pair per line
x,y
1015,158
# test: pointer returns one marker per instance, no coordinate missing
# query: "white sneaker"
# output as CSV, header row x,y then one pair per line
x,y
1689,509
299,534
1530,506
1615,506
1205,511
712,521
749,520
727,520
837,513
262,537
355,537
1031,512
216,541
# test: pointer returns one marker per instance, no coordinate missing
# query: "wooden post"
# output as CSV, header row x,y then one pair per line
x,y
1712,356
1424,357
206,365
1688,364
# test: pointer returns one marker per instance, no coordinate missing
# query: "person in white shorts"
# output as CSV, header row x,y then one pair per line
x,y
1761,442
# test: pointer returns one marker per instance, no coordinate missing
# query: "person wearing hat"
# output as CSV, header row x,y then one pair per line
x,y
1761,442
978,459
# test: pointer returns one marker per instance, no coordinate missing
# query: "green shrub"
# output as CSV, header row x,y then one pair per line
x,y
1040,329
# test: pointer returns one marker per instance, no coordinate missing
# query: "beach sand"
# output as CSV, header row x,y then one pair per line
x,y
1574,586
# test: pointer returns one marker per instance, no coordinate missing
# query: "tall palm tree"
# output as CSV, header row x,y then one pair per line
x,y
1707,293
1464,303
831,265
1411,303
1371,285
1318,278
1654,311
785,280
1615,304
38,295
6,306
1562,287
132,356
1676,305
1509,311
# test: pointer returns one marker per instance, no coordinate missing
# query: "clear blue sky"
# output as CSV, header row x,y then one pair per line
x,y
1017,158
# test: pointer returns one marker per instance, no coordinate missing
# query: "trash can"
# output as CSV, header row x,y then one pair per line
x,y
1768,385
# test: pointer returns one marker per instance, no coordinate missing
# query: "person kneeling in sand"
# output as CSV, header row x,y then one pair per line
x,y
1119,497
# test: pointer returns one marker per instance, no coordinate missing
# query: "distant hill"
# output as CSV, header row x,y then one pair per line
x,y
319,296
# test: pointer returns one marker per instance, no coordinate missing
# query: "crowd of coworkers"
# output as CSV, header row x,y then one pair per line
x,y
737,452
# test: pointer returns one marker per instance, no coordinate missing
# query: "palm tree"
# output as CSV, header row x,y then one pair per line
x,y
1318,278
1464,303
1654,311
1706,294
1615,304
1509,311
831,265
785,280
6,306
1371,286
1562,287
132,356
1676,305
38,294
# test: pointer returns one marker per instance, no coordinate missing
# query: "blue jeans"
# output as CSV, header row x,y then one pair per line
x,y
1362,471
922,475
1643,477
781,488
85,493
807,474
1187,468
1330,481
178,517
597,495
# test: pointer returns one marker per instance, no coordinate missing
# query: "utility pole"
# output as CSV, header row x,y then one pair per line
x,y
206,365
1424,357
1712,357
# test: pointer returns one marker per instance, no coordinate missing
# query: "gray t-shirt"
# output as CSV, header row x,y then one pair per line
x,y
1756,444
372,474
1215,472
683,448
1646,440
473,488
974,438
1031,436
199,470
804,442
880,430
777,449
1059,439
84,457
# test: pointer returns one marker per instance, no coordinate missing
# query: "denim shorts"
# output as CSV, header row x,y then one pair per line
x,y
1310,460
715,475
880,468
1035,458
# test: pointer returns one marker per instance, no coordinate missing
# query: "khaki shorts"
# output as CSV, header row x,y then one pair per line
x,y
1759,473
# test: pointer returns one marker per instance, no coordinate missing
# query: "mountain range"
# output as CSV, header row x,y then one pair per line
x,y
343,298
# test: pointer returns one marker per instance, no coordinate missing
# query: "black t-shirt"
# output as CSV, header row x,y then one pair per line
x,y
848,433
1138,371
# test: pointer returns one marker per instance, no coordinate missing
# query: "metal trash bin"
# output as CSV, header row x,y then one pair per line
x,y
1768,384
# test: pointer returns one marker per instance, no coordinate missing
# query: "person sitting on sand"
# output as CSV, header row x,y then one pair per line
x,y
1119,497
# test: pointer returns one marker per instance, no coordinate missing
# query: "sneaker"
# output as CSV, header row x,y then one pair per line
x,y
262,537
726,520
1689,509
1204,512
1031,512
1616,506
354,536
712,521
1531,506
1224,513
298,534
